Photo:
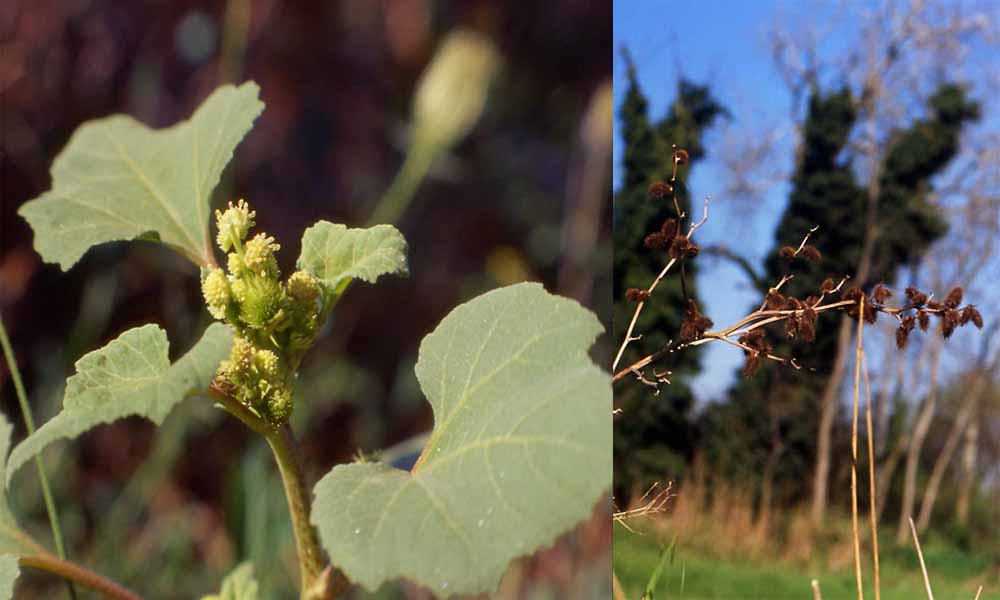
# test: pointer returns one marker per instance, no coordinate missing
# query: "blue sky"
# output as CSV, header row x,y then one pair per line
x,y
722,44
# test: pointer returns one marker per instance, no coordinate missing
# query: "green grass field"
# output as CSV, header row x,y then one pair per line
x,y
695,575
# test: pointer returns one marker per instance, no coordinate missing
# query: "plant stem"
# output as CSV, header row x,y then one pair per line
x,y
395,199
74,572
854,452
29,423
311,561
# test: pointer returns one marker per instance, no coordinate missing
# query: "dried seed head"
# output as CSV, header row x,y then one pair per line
x,y
902,335
827,286
655,241
669,229
923,320
636,295
954,297
682,247
694,324
881,293
971,314
787,252
680,156
774,300
811,254
949,321
916,297
908,323
751,365
658,190
935,305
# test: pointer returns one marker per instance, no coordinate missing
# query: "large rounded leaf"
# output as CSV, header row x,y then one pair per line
x,y
132,375
119,180
520,451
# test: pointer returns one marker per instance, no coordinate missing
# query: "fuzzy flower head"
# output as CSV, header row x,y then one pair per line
x,y
233,224
215,288
258,256
303,286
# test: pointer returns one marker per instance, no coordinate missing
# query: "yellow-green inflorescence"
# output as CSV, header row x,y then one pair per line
x,y
275,321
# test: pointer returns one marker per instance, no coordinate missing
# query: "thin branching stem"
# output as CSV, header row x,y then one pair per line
x,y
638,309
29,424
920,555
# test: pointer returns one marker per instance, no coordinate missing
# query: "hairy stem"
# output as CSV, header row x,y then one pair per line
x,y
316,583
29,424
74,572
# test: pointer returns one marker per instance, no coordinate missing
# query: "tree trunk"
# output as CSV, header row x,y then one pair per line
x,y
827,413
944,457
966,487
920,428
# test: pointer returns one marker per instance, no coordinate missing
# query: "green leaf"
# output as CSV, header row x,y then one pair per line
x,y
520,451
119,180
335,254
130,376
8,575
238,585
13,541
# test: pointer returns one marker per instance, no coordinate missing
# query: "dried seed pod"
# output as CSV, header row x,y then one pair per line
x,y
811,253
828,286
655,241
971,313
916,297
902,335
792,303
694,324
669,229
949,321
807,325
682,247
636,295
774,300
791,326
881,293
787,252
954,297
812,300
908,323
923,320
751,365
680,156
658,190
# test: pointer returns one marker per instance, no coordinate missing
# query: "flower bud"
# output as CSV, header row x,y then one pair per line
x,y
452,91
303,286
267,364
279,406
258,256
241,358
235,265
233,224
215,288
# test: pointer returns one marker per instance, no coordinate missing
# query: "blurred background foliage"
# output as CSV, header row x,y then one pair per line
x,y
523,196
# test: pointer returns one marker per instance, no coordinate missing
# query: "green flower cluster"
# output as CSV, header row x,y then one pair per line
x,y
275,321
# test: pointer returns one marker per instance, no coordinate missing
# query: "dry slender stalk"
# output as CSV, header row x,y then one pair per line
x,y
638,309
873,514
979,591
854,453
920,555
618,592
817,595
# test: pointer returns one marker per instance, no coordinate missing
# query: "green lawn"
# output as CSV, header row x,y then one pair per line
x,y
953,575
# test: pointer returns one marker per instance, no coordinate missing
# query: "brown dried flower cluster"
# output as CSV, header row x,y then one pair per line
x,y
636,295
807,251
755,348
694,324
659,189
